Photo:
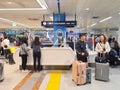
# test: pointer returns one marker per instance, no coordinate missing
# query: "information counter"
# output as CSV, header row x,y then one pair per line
x,y
50,56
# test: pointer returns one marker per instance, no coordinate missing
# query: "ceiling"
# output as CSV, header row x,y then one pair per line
x,y
30,13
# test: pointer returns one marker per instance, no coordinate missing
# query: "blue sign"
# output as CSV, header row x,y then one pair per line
x,y
59,30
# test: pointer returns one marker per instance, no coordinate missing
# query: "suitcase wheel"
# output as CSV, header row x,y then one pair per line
x,y
1,80
77,84
89,82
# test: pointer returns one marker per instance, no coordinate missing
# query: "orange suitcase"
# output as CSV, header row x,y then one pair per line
x,y
79,72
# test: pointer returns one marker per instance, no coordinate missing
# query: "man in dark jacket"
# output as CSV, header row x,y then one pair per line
x,y
81,51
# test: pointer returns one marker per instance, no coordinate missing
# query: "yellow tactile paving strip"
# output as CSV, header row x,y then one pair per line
x,y
54,82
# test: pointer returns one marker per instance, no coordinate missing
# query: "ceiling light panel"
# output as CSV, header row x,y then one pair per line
x,y
93,24
105,19
20,4
10,21
42,3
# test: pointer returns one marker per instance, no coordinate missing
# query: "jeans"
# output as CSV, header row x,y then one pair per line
x,y
37,57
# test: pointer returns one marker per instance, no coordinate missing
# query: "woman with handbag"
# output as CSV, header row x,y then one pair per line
x,y
36,53
23,53
103,47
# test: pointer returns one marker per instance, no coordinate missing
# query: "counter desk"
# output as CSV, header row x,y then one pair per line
x,y
50,56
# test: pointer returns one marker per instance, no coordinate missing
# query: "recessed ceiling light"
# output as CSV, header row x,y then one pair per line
x,y
9,2
87,9
119,13
88,26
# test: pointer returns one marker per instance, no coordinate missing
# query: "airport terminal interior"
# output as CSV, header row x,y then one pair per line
x,y
59,44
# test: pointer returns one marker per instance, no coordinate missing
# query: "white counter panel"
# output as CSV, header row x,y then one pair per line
x,y
51,56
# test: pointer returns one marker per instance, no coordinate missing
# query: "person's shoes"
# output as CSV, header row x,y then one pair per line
x,y
34,70
39,70
24,70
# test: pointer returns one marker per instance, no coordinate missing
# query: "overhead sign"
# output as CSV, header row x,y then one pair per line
x,y
50,24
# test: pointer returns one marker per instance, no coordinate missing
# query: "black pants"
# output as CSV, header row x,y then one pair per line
x,y
1,51
24,61
6,52
11,59
37,57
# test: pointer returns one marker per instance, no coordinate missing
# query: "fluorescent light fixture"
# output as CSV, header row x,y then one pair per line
x,y
88,26
93,24
42,3
20,9
10,21
105,19
6,20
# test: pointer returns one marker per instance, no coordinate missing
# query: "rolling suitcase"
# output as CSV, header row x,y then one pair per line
x,y
79,72
88,75
102,71
1,70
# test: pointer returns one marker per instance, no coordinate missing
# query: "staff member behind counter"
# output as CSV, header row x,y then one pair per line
x,y
61,42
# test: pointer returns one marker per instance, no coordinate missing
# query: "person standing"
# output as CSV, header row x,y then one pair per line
x,y
6,44
23,53
81,51
61,42
36,53
103,46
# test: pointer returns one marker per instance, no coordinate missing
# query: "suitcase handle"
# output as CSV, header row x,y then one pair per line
x,y
101,54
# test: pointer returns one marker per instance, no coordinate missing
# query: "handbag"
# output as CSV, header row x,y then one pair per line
x,y
20,54
101,58
5,46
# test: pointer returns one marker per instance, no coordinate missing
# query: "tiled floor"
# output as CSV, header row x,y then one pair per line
x,y
13,76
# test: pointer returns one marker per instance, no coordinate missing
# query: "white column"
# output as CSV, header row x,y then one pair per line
x,y
119,35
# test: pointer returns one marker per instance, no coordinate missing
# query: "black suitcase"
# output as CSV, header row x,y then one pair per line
x,y
88,75
1,70
102,58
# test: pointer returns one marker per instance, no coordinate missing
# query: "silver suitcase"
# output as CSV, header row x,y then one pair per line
x,y
102,71
1,70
